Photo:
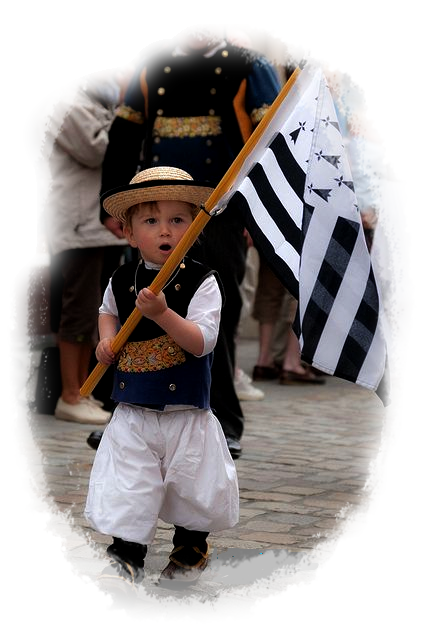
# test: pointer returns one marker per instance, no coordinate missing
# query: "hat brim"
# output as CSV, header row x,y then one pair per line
x,y
117,201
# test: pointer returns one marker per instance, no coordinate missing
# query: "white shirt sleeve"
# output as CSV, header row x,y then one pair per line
x,y
204,310
109,306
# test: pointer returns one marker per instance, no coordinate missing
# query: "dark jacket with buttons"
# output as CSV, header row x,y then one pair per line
x,y
152,370
190,111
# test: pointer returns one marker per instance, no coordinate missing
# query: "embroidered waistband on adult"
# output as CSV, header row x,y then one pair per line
x,y
150,355
187,126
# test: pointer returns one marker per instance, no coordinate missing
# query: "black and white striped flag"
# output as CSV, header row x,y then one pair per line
x,y
296,189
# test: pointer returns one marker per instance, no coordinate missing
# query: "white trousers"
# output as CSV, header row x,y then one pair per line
x,y
174,465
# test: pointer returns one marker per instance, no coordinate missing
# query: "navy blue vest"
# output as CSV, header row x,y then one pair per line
x,y
152,370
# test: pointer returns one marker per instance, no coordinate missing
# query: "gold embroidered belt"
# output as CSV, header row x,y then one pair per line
x,y
150,355
187,126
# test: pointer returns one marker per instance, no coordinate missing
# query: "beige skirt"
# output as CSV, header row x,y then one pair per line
x,y
174,465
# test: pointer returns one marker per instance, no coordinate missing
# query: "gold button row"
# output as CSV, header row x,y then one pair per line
x,y
172,387
162,91
208,161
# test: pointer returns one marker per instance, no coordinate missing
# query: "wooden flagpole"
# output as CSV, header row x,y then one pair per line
x,y
191,234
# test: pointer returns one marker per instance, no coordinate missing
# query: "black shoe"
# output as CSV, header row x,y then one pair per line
x,y
130,556
234,447
94,439
188,559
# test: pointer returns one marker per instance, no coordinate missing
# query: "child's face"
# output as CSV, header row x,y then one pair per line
x,y
157,227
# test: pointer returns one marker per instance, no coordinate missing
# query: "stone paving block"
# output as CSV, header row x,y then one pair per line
x,y
224,543
283,508
250,513
323,503
327,512
268,506
299,491
271,495
282,539
347,498
309,532
268,525
291,518
327,523
252,484
353,484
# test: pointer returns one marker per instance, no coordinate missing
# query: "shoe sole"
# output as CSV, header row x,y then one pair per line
x,y
88,422
179,582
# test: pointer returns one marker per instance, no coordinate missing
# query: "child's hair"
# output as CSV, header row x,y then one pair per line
x,y
132,210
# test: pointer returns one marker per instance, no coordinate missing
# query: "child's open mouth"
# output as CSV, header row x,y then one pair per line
x,y
165,247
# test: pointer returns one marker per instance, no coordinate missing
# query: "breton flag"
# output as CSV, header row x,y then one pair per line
x,y
296,190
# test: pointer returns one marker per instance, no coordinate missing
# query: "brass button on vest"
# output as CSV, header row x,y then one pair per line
x,y
122,385
172,387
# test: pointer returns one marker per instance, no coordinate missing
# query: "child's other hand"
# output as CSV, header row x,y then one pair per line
x,y
151,305
104,353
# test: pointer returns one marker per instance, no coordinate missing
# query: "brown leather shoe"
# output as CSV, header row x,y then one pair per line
x,y
261,373
308,377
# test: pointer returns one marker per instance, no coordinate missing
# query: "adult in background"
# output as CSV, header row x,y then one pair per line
x,y
193,105
81,248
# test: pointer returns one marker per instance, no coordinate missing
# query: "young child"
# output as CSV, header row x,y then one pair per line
x,y
163,454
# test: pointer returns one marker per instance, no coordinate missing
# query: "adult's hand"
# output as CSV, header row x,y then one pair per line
x,y
114,226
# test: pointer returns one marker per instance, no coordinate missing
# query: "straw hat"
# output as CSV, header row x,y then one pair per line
x,y
150,185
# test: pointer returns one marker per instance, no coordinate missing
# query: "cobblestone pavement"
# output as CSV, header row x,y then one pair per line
x,y
307,450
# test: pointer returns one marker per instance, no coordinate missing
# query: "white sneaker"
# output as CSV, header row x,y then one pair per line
x,y
245,389
84,412
95,401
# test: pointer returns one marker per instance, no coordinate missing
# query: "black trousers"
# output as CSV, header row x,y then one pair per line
x,y
223,248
